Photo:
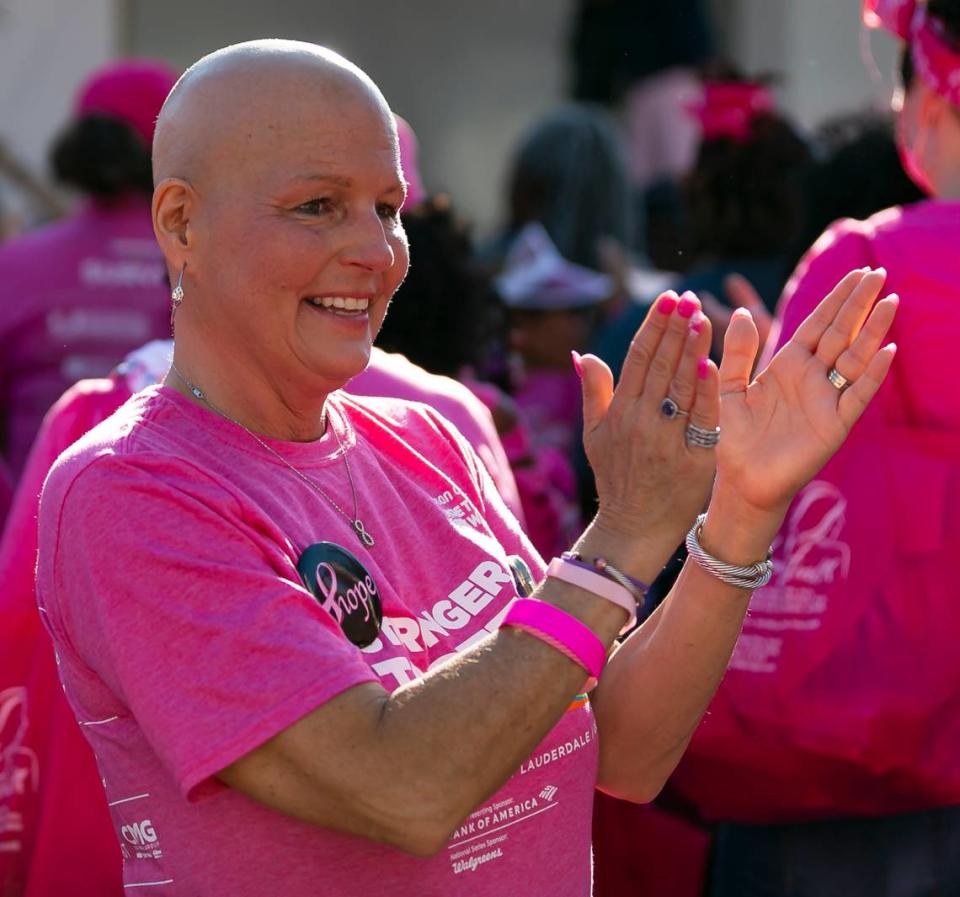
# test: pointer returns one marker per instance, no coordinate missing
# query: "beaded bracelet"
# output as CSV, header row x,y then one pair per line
x,y
636,587
562,631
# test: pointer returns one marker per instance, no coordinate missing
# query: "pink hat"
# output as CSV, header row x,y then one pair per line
x,y
934,57
131,90
409,152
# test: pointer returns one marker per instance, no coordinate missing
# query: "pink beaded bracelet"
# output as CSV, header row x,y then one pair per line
x,y
567,571
561,631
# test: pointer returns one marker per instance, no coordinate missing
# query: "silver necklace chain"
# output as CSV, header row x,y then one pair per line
x,y
355,522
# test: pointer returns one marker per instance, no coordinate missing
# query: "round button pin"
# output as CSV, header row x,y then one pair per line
x,y
344,589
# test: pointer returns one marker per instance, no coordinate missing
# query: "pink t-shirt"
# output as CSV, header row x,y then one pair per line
x,y
63,783
393,374
75,297
840,699
169,543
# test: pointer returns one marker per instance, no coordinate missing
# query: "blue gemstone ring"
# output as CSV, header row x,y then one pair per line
x,y
670,409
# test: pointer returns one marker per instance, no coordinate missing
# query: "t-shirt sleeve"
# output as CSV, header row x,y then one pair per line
x,y
842,248
187,604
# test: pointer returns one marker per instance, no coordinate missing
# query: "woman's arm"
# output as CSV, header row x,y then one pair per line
x,y
777,432
406,768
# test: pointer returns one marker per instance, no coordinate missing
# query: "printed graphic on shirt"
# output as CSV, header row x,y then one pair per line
x,y
345,590
813,559
139,840
19,768
485,835
417,635
459,510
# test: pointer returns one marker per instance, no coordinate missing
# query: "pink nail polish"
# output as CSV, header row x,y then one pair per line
x,y
696,325
687,306
577,363
666,305
703,368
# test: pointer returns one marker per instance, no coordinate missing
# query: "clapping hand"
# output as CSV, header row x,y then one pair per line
x,y
651,482
779,429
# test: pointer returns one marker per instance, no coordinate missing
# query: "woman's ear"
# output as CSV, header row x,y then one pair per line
x,y
174,202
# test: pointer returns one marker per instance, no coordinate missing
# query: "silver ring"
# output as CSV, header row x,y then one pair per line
x,y
700,437
838,380
670,409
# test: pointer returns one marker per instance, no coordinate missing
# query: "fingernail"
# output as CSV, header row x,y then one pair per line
x,y
696,325
667,304
892,347
742,313
894,298
577,363
703,368
688,305
881,271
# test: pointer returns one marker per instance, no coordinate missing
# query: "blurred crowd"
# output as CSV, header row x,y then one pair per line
x,y
828,756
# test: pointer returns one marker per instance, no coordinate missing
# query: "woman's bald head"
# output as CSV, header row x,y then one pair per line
x,y
239,101
278,191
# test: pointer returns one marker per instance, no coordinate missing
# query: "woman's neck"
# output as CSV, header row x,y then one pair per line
x,y
255,404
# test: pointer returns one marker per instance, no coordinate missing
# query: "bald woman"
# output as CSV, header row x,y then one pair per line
x,y
288,619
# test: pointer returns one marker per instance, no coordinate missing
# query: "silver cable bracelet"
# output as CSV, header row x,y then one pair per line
x,y
754,576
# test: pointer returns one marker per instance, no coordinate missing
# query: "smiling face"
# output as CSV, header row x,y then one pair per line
x,y
294,238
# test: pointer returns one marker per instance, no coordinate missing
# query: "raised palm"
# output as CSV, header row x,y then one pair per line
x,y
782,427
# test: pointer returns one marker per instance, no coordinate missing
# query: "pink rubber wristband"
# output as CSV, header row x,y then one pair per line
x,y
597,583
561,631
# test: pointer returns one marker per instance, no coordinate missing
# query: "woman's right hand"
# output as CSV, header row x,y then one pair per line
x,y
651,483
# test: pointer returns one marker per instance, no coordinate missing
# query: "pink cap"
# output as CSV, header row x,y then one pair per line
x,y
131,90
409,162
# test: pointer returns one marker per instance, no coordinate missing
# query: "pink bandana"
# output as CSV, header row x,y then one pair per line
x,y
934,58
729,108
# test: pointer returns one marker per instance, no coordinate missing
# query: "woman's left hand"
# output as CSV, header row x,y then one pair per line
x,y
780,429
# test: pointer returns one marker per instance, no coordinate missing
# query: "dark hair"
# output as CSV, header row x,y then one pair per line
x,y
570,175
442,317
745,198
857,174
103,157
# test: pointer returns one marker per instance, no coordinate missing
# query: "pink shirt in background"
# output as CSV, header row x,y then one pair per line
x,y
168,548
840,699
551,402
36,860
393,374
75,297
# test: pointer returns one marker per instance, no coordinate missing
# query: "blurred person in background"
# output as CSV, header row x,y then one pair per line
x,y
642,58
569,174
830,751
552,307
744,201
77,295
858,172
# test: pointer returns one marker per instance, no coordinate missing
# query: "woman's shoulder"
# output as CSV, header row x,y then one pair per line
x,y
139,443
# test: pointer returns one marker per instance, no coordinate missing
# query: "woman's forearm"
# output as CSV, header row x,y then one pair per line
x,y
668,671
